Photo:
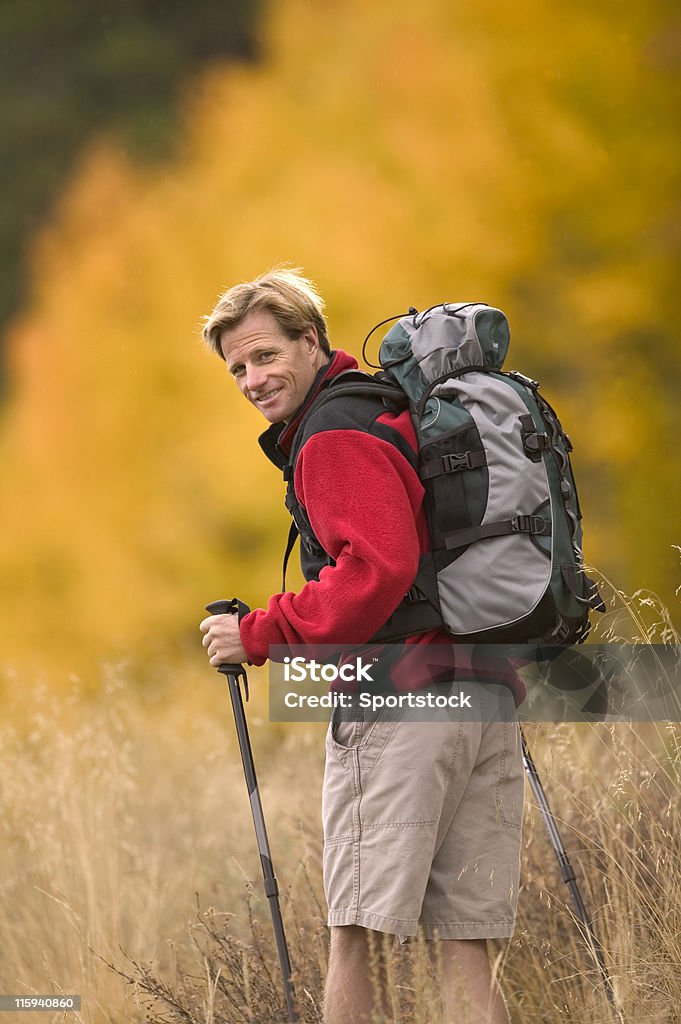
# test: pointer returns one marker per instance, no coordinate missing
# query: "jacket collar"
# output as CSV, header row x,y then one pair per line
x,y
277,439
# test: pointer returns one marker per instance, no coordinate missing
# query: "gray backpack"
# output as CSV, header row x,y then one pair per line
x,y
501,500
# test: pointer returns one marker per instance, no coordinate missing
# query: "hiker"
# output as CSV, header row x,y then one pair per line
x,y
434,842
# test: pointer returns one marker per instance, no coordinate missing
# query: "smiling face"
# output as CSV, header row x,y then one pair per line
x,y
273,371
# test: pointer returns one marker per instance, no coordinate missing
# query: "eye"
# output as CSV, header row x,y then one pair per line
x,y
266,357
237,371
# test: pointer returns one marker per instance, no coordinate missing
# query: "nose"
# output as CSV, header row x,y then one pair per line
x,y
256,376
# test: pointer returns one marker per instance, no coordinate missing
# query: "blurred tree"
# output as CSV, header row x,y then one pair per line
x,y
521,154
72,68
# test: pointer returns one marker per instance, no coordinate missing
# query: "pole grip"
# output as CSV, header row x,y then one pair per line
x,y
223,607
233,607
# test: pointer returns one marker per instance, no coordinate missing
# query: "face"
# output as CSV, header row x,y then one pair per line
x,y
273,372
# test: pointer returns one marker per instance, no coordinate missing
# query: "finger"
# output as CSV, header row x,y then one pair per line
x,y
206,624
207,640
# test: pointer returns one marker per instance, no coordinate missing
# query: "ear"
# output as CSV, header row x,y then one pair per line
x,y
310,339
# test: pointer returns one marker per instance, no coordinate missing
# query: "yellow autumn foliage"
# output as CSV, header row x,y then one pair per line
x,y
517,153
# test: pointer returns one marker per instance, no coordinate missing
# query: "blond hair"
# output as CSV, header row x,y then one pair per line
x,y
292,300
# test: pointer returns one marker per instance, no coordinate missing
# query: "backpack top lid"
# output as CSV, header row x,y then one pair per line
x,y
445,339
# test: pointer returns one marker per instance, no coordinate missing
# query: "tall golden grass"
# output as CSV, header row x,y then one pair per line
x,y
129,873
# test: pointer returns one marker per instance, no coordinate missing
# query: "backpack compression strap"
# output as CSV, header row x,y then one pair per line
x,y
533,525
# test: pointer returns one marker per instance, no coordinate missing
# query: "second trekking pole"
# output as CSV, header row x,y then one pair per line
x,y
234,674
569,877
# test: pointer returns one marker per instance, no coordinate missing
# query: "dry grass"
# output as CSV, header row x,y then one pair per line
x,y
120,821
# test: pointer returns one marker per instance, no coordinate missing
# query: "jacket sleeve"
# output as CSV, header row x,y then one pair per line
x,y
363,500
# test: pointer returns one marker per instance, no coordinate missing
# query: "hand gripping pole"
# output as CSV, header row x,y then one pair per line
x,y
234,673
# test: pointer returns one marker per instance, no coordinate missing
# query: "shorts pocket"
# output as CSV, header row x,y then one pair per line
x,y
509,792
365,738
346,735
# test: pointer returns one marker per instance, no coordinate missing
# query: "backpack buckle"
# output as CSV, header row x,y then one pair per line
x,y
528,382
535,443
528,524
455,463
560,632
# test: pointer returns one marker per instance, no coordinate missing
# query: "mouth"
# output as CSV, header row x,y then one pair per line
x,y
268,397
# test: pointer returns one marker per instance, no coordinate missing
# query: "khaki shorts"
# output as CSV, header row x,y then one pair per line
x,y
422,819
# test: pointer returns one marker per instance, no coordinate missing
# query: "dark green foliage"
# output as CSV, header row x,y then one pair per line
x,y
72,68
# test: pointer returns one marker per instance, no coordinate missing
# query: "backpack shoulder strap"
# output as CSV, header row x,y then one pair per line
x,y
351,383
347,383
293,534
358,383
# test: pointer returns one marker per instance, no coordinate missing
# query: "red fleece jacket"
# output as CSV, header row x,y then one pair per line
x,y
365,504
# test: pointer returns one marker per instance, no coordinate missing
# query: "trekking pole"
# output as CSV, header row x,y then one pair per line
x,y
569,877
234,673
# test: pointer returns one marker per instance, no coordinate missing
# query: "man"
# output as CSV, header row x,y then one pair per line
x,y
421,819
